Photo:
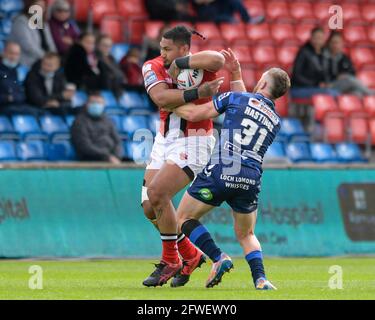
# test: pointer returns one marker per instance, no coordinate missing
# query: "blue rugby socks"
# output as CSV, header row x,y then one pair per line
x,y
199,235
255,261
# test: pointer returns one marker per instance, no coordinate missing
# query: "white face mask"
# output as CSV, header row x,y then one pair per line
x,y
9,64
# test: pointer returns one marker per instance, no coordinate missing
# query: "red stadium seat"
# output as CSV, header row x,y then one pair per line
x,y
187,24
254,7
362,56
323,104
225,87
303,32
286,56
351,12
321,11
101,8
81,10
248,76
358,128
355,35
264,56
209,30
368,12
349,104
243,54
216,46
371,34
282,106
152,28
369,105
283,32
367,77
132,9
334,129
259,33
233,32
114,27
277,10
136,31
372,130
302,11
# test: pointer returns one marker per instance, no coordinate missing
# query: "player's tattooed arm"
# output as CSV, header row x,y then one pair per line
x,y
208,60
194,113
233,66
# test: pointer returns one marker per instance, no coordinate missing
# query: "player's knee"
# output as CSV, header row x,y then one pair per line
x,y
148,211
157,197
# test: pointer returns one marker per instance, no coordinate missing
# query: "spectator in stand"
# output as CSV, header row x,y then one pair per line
x,y
63,28
151,47
94,136
34,42
342,72
83,68
46,87
311,67
131,67
112,70
169,10
223,11
12,92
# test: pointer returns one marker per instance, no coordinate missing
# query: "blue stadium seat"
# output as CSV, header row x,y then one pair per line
x,y
79,99
119,50
276,153
27,126
298,152
5,27
114,111
6,130
139,152
130,124
69,119
109,98
132,100
31,151
292,130
55,127
1,46
8,151
9,7
349,152
154,122
61,151
323,152
22,72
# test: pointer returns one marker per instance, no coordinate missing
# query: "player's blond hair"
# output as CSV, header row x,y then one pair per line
x,y
280,82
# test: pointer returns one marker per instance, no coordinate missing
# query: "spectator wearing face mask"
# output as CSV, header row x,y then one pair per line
x,y
94,136
12,92
63,28
46,86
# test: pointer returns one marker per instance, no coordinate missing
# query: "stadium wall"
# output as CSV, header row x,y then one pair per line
x,y
95,212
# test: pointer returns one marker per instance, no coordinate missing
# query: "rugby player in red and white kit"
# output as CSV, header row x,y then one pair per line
x,y
181,149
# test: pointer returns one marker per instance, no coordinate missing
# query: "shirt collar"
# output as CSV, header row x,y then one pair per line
x,y
266,100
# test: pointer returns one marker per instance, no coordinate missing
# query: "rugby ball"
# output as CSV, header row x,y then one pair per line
x,y
189,78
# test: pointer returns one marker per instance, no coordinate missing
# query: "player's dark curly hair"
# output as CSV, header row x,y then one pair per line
x,y
181,35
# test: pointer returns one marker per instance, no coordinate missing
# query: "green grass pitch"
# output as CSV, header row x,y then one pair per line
x,y
302,278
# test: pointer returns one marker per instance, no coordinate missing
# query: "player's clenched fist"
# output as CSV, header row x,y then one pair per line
x,y
209,89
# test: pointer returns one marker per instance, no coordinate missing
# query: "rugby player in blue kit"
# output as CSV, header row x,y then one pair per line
x,y
235,168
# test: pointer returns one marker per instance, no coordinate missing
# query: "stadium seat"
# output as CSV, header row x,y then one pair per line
x,y
255,7
154,122
283,33
102,8
135,31
81,9
369,105
334,128
282,106
132,9
321,11
1,46
259,33
372,131
8,151
322,152
139,152
351,12
31,151
367,77
359,129
233,33
323,103
276,153
298,152
277,11
131,100
7,131
226,84
61,151
55,127
79,99
349,104
152,29
248,76
109,98
114,111
292,129
130,124
22,72
243,54
371,33
5,27
355,35
119,50
348,152
209,30
368,12
303,32
286,56
114,27
28,127
7,7
302,11
264,56
362,56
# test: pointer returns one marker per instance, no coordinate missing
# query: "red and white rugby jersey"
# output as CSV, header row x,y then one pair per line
x,y
154,72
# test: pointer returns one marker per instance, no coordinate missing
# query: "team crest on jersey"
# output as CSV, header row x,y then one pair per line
x,y
146,68
150,78
205,194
